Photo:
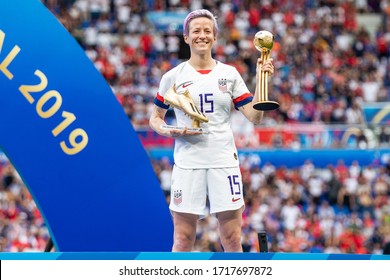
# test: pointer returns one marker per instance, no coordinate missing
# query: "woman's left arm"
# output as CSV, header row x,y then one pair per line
x,y
253,115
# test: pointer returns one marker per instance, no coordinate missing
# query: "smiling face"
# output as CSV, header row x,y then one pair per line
x,y
200,36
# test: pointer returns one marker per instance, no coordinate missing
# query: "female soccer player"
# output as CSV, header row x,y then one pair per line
x,y
206,162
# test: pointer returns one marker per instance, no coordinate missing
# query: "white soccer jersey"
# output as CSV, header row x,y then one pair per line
x,y
213,93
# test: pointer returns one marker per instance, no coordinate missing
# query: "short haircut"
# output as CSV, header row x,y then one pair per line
x,y
198,14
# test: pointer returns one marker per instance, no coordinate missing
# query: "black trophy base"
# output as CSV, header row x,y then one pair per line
x,y
266,105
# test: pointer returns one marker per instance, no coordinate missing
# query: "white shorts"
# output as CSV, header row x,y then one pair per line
x,y
191,187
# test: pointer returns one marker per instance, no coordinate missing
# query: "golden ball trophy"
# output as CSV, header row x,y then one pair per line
x,y
263,42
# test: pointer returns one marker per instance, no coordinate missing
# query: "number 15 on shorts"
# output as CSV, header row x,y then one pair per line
x,y
235,187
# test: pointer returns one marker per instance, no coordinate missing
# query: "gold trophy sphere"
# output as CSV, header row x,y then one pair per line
x,y
263,39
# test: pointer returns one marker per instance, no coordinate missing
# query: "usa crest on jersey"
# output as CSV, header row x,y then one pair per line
x,y
177,197
222,85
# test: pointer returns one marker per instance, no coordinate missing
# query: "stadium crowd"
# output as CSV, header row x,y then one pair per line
x,y
327,65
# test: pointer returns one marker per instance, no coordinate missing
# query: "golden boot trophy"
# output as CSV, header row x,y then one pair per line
x,y
184,102
264,42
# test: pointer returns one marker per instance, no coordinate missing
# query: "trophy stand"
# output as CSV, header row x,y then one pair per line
x,y
264,42
195,123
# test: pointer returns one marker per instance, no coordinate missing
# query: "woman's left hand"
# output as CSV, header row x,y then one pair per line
x,y
267,66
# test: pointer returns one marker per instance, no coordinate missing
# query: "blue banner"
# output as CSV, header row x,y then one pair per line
x,y
377,113
296,158
68,137
167,20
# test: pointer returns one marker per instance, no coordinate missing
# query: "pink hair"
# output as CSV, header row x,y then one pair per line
x,y
197,14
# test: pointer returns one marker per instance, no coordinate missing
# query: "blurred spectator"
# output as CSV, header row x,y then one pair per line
x,y
384,137
289,215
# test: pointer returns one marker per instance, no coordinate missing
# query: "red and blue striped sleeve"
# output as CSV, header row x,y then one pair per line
x,y
242,100
159,101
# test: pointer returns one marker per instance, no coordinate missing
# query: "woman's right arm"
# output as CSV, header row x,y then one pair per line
x,y
157,120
